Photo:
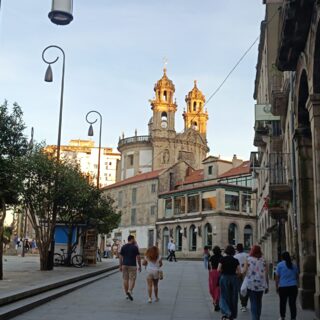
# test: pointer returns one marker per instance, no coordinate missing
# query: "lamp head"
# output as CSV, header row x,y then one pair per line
x,y
61,12
90,131
48,76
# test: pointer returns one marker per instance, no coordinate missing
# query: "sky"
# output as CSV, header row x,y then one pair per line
x,y
115,54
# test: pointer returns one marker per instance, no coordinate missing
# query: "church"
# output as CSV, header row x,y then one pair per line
x,y
163,146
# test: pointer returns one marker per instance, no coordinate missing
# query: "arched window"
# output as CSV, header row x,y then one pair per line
x,y
208,235
178,237
165,96
195,125
165,241
232,234
192,238
194,106
164,116
248,236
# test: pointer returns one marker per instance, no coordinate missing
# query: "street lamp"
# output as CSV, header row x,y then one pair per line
x,y
61,12
49,78
90,134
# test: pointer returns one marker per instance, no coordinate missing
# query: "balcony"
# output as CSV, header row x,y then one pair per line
x,y
131,140
278,213
295,22
255,160
279,176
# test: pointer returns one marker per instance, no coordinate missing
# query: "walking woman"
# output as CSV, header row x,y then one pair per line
x,y
153,263
286,284
230,269
257,280
214,274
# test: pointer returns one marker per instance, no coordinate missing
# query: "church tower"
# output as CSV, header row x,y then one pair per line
x,y
163,107
195,117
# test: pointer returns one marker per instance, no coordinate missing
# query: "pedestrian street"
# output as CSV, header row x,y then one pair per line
x,y
183,295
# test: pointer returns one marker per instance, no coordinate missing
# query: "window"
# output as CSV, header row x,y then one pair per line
x,y
208,235
134,196
133,216
165,97
120,199
192,238
178,238
110,163
150,238
232,234
193,203
246,203
210,170
194,106
232,201
152,210
153,188
164,116
247,237
209,200
168,207
165,237
179,205
130,160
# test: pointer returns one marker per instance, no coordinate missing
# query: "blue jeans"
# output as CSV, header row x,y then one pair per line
x,y
206,261
229,295
256,303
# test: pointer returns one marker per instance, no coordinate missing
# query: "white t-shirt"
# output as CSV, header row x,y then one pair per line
x,y
173,247
241,257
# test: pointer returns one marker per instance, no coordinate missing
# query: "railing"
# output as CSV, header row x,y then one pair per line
x,y
279,170
134,139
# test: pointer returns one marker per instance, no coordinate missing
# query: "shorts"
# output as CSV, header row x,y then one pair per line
x,y
153,274
129,273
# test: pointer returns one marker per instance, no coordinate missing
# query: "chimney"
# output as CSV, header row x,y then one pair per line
x,y
236,162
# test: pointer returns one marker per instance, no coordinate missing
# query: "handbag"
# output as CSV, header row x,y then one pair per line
x,y
160,275
244,287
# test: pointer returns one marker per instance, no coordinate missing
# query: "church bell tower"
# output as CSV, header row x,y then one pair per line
x,y
196,117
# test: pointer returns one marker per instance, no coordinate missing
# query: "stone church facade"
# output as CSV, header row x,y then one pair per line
x,y
163,146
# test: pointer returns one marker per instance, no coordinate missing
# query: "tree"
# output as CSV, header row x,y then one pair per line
x,y
58,192
13,145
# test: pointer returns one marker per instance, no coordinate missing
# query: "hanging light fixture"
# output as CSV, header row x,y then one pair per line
x,y
61,12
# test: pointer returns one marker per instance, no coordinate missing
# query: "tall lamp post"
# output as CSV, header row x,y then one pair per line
x,y
49,78
90,134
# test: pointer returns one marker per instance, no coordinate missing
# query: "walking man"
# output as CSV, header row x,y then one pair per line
x,y
241,256
172,251
129,256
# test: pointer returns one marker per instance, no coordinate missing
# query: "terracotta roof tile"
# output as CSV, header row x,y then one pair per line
x,y
137,178
244,168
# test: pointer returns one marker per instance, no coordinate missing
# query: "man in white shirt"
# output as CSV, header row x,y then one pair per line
x,y
241,256
171,250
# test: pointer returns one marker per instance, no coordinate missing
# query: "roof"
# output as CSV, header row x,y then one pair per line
x,y
244,168
195,176
137,178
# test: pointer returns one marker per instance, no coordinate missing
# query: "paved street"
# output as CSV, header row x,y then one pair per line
x,y
183,295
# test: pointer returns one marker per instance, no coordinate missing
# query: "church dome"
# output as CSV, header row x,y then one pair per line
x,y
164,82
195,94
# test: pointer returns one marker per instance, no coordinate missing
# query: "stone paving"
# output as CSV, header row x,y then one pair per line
x,y
183,295
23,273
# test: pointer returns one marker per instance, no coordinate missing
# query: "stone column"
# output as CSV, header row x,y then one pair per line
x,y
200,202
186,203
313,105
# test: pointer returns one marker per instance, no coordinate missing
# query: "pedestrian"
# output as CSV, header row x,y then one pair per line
x,y
230,269
206,256
256,271
242,258
172,251
214,275
129,256
153,263
286,284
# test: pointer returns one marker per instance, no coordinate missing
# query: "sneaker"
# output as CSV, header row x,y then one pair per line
x,y
243,309
156,299
149,300
129,296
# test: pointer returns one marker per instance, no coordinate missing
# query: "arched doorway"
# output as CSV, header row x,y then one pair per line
x,y
305,190
247,237
178,238
232,234
192,238
208,235
165,241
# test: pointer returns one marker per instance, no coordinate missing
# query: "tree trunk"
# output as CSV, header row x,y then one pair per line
x,y
2,217
69,246
44,258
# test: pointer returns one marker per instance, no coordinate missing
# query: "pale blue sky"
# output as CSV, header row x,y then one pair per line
x,y
114,55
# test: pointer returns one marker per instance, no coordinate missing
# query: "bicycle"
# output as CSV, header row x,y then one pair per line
x,y
62,259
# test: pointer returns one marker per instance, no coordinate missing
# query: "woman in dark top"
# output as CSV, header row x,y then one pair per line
x,y
214,277
230,269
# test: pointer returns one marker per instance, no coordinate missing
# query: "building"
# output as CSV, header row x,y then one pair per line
x,y
163,146
287,163
208,207
84,153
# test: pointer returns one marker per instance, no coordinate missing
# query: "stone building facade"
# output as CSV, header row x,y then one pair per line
x,y
289,149
212,206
